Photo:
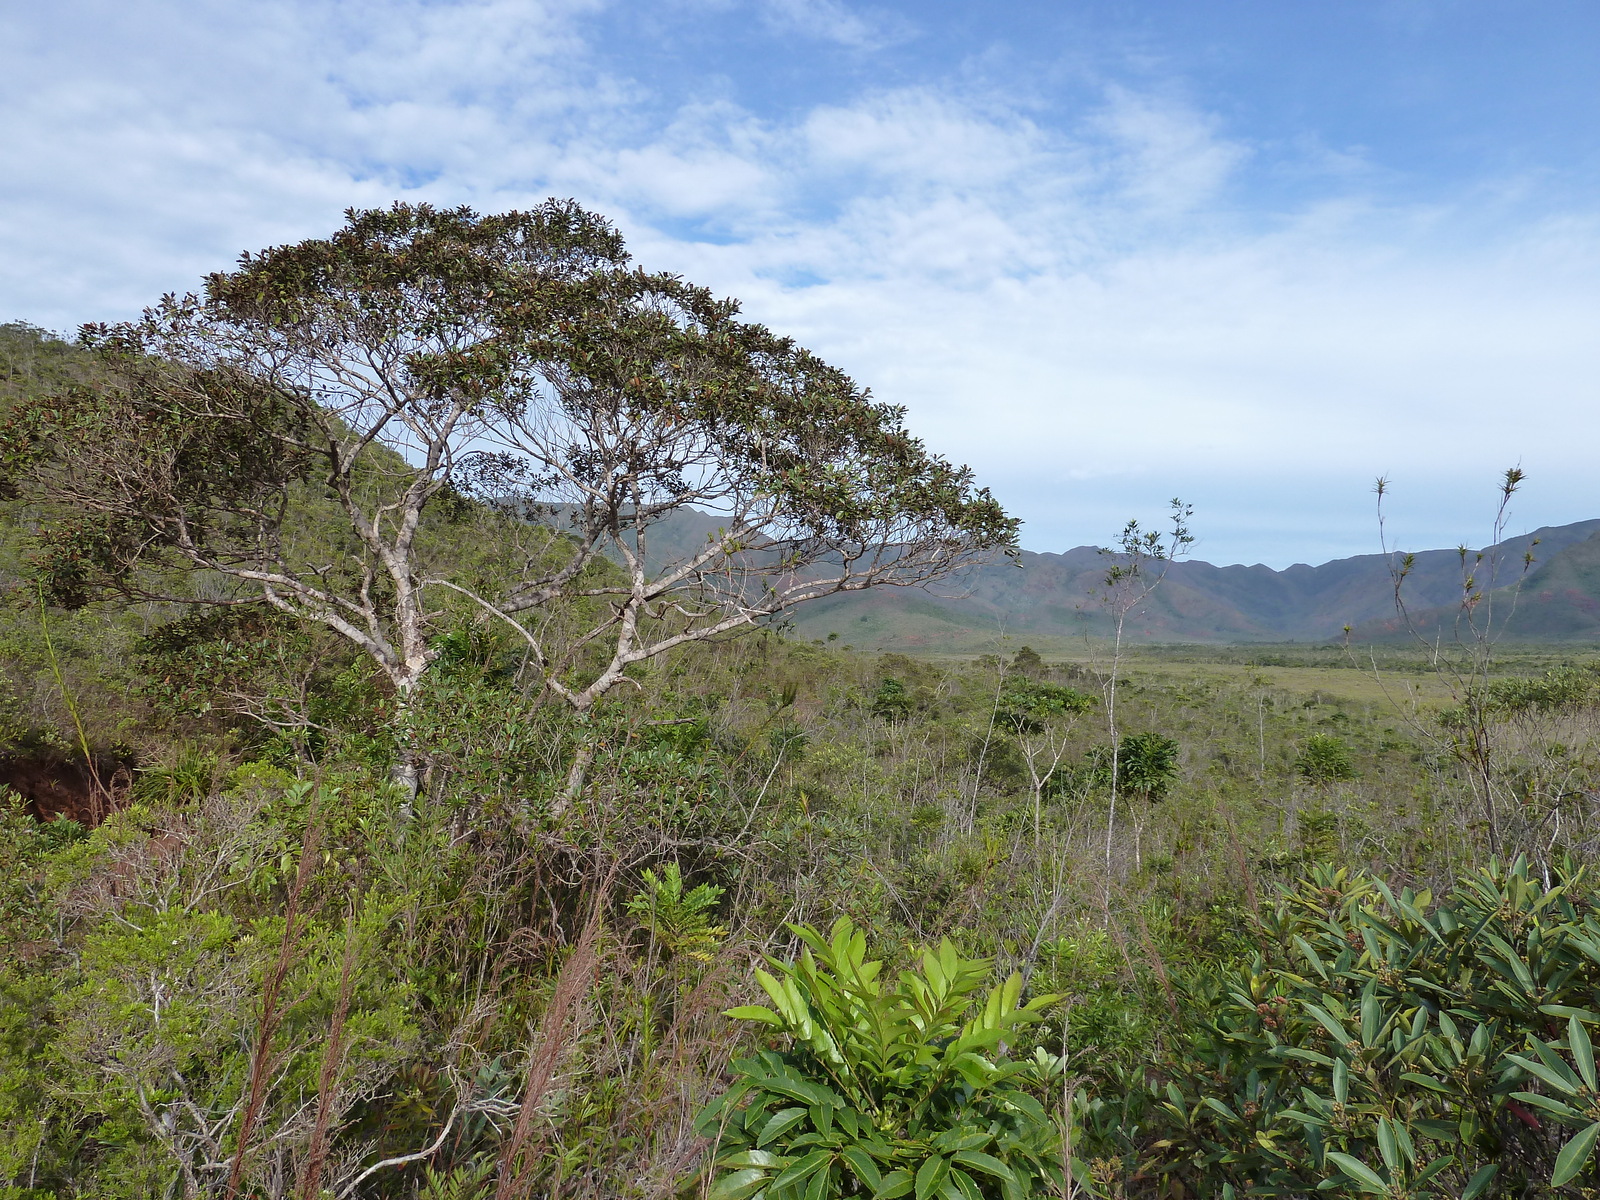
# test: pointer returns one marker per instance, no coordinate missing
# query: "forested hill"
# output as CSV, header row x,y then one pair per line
x,y
1055,596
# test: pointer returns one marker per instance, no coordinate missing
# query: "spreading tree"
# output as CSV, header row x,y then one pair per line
x,y
421,363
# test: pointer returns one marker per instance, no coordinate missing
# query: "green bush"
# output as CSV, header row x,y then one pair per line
x,y
1387,1044
891,701
1149,764
678,921
1325,759
885,1089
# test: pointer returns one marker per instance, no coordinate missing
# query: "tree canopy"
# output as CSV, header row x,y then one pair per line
x,y
423,363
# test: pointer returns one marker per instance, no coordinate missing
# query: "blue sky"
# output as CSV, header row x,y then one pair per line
x,y
1252,254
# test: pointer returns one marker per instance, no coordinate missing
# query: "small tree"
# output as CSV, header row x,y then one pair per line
x,y
1149,765
1325,759
1462,657
1042,716
891,701
1139,563
1026,662
422,358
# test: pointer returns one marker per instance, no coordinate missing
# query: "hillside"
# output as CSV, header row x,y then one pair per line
x,y
1052,598
233,941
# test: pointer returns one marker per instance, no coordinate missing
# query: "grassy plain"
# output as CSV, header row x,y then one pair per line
x,y
1401,680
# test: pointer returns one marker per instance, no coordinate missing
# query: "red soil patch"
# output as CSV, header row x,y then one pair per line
x,y
52,788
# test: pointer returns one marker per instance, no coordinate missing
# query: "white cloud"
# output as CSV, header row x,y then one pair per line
x,y
1171,159
829,20
1080,304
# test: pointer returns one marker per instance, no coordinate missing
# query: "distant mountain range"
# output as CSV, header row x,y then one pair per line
x,y
1049,600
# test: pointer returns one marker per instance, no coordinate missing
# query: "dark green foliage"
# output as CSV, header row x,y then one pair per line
x,y
1560,689
1148,764
891,701
1027,705
1439,1047
1324,759
1026,662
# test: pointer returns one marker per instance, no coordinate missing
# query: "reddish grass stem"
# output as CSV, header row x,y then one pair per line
x,y
571,985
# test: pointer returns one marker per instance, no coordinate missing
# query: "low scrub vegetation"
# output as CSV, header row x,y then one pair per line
x,y
425,913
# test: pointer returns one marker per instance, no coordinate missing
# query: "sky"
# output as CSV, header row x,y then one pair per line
x,y
1249,253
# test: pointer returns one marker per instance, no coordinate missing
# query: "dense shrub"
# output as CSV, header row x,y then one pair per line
x,y
1386,1042
886,1087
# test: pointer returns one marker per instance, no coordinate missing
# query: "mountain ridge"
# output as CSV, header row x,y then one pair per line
x,y
1052,597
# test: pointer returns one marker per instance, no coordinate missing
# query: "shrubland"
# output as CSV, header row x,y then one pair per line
x,y
806,922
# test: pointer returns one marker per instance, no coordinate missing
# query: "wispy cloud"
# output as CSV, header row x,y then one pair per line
x,y
857,28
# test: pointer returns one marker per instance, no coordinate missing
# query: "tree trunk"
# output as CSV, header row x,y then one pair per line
x,y
408,769
576,777
406,774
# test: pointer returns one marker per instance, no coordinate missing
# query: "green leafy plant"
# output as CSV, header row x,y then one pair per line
x,y
1325,759
1143,764
1576,1098
891,701
678,920
1149,764
885,1088
1026,704
1387,1043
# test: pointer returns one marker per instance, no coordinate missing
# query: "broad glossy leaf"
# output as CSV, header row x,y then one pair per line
x,y
755,1158
952,1140
1371,1018
1439,1131
1425,1081
1311,956
1310,1056
1548,1103
1574,1156
739,1185
755,1012
1582,1050
1388,1148
977,1039
1566,1010
1329,1022
1433,1168
975,1070
862,1167
802,1170
1402,1137
1363,1176
931,1175
1481,1179
960,1186
778,993
987,1163
1027,1105
798,1089
1562,1080
779,1123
